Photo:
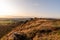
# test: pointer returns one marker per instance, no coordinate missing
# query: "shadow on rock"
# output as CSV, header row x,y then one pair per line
x,y
21,37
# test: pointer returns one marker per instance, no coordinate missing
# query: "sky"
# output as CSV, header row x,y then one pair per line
x,y
37,8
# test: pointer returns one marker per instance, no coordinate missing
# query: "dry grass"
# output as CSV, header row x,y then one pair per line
x,y
33,29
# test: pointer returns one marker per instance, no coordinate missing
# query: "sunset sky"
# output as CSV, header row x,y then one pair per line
x,y
37,8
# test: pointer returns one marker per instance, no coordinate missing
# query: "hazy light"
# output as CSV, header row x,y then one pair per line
x,y
6,9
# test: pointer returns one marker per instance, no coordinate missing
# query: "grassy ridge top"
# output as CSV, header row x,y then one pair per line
x,y
38,29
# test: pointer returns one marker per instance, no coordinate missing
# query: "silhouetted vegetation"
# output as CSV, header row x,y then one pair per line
x,y
26,21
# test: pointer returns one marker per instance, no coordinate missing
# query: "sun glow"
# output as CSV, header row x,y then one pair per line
x,y
5,8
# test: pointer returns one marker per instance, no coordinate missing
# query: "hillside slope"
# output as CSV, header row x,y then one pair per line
x,y
36,29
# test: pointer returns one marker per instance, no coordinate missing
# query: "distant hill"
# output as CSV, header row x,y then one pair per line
x,y
15,16
36,29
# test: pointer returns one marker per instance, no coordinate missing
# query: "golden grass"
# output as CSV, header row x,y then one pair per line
x,y
33,27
